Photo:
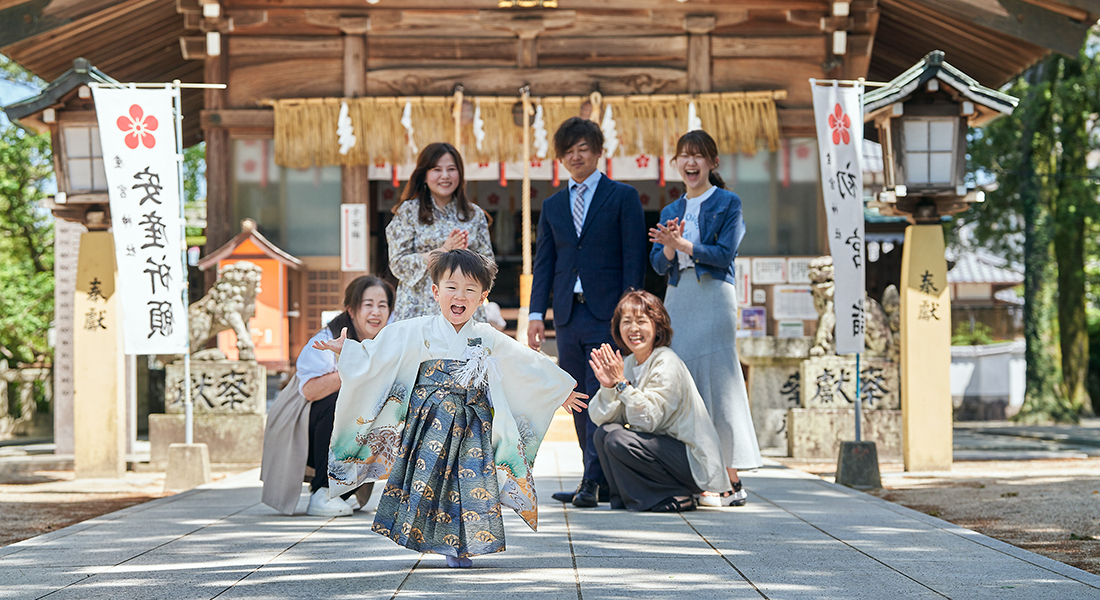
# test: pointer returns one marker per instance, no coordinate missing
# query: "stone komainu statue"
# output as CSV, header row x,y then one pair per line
x,y
881,324
228,305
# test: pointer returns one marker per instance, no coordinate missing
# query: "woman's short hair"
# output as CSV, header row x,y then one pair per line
x,y
650,306
353,294
576,129
472,264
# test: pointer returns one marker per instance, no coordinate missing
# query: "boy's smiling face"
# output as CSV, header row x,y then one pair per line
x,y
458,296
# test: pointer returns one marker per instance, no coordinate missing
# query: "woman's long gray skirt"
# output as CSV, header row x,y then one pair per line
x,y
704,323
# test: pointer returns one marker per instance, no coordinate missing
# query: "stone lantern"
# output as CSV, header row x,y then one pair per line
x,y
94,407
66,111
921,119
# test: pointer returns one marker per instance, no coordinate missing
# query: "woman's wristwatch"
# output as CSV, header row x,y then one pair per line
x,y
621,386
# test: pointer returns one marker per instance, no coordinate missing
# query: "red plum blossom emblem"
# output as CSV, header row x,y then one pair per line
x,y
138,128
840,123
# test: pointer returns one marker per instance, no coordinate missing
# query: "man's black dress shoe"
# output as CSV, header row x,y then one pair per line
x,y
604,494
586,494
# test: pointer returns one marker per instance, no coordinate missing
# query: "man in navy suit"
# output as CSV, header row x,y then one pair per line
x,y
591,248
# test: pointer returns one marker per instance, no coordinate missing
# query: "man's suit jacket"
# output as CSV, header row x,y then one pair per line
x,y
609,255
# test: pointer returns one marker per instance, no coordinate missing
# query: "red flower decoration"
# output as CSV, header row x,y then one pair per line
x,y
536,163
840,123
643,161
138,127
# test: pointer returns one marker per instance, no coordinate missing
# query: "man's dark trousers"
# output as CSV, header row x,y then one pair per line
x,y
576,341
609,256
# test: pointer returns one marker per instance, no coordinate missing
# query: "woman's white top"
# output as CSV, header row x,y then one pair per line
x,y
313,362
691,225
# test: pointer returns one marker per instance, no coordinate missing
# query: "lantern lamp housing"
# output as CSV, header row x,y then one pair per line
x,y
921,120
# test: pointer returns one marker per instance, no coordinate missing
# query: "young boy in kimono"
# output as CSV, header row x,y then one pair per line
x,y
451,413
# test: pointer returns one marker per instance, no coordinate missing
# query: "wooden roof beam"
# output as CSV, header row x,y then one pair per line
x,y
1078,10
1025,21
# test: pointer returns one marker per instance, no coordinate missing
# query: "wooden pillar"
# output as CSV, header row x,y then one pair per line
x,y
925,351
99,394
354,181
698,58
219,200
528,51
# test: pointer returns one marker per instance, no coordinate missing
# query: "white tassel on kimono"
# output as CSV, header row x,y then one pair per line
x,y
480,368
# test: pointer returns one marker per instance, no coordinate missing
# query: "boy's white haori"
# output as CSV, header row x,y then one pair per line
x,y
377,376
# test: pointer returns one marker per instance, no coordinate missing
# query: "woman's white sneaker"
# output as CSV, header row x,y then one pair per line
x,y
320,505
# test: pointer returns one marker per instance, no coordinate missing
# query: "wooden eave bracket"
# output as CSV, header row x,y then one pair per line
x,y
529,23
700,24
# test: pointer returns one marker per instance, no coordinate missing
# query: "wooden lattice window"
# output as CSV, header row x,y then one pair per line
x,y
323,292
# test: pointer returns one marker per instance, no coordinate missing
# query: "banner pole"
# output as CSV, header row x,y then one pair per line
x,y
188,407
859,403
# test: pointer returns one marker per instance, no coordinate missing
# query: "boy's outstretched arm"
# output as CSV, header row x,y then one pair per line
x,y
573,402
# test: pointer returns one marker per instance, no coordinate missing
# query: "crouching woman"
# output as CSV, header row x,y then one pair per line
x,y
656,442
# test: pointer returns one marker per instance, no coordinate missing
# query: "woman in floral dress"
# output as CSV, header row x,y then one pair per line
x,y
434,214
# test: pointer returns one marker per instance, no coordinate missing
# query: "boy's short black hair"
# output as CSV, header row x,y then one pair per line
x,y
472,264
576,129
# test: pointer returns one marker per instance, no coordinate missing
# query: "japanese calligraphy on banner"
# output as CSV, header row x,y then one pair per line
x,y
838,112
353,237
137,134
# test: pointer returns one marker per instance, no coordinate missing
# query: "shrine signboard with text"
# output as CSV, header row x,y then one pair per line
x,y
838,112
139,152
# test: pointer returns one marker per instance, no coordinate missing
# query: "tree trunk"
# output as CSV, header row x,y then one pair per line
x,y
1043,398
1069,247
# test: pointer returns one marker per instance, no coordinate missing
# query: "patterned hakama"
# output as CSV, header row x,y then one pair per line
x,y
442,494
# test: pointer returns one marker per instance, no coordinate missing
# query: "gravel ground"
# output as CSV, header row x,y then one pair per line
x,y
38,502
1050,507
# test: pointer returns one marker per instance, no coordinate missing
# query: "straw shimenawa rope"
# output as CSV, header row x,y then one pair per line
x,y
305,129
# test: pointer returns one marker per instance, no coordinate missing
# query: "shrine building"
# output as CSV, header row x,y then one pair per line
x,y
289,65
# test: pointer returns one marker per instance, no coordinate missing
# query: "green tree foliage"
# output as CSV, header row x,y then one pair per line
x,y
1040,212
26,246
976,334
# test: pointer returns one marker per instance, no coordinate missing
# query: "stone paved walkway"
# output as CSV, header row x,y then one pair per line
x,y
798,538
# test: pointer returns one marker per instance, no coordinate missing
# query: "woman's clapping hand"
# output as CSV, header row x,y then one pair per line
x,y
458,240
670,235
607,364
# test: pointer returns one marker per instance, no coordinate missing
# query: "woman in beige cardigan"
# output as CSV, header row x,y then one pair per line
x,y
656,442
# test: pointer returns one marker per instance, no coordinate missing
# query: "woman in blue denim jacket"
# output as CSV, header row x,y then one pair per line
x,y
695,243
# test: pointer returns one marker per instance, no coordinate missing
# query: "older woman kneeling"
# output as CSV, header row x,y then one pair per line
x,y
656,442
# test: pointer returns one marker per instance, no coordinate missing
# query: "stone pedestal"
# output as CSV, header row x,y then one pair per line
x,y
857,466
231,439
99,400
827,413
230,411
774,383
830,382
188,467
817,433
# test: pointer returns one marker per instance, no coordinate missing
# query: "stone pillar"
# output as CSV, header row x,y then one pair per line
x,y
99,398
66,249
925,351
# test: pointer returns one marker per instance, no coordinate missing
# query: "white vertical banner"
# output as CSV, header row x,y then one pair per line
x,y
838,112
353,237
137,134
